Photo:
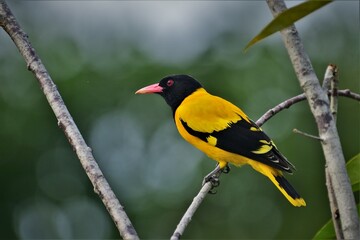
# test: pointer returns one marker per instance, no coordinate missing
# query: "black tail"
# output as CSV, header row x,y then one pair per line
x,y
289,192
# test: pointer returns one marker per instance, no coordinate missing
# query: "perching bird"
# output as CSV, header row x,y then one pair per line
x,y
223,131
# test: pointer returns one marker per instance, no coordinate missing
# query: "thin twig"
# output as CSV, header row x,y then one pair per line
x,y
320,108
185,220
350,94
281,106
328,76
66,123
334,93
301,97
306,134
333,206
331,76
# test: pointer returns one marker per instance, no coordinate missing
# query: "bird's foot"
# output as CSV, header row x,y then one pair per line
x,y
213,178
215,182
226,169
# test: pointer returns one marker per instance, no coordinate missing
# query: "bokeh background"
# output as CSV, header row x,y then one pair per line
x,y
99,53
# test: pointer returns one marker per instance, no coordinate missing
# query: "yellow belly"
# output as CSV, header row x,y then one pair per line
x,y
217,154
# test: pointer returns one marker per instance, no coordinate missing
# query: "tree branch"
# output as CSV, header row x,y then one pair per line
x,y
334,93
306,134
301,97
330,72
66,123
284,105
185,220
330,84
320,108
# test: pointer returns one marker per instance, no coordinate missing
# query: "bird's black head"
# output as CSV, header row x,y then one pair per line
x,y
174,89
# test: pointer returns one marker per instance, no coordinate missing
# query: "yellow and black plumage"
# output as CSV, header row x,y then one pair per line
x,y
223,131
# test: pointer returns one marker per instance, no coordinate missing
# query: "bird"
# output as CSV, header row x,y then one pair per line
x,y
223,132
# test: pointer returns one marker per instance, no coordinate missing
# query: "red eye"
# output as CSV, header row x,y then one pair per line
x,y
170,82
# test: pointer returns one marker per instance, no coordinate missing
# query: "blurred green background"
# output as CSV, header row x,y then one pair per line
x,y
99,53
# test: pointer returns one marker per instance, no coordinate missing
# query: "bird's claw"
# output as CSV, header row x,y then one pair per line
x,y
213,177
214,180
212,191
226,169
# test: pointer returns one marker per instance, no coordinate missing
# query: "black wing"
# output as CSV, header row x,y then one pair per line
x,y
246,139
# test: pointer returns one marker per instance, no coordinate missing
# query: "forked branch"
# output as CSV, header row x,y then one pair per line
x,y
320,107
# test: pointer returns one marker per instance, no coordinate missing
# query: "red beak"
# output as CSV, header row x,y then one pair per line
x,y
154,88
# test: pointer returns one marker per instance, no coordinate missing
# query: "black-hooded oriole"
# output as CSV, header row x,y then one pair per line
x,y
223,131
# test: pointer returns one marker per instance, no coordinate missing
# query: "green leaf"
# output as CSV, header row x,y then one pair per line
x,y
328,231
286,18
353,169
